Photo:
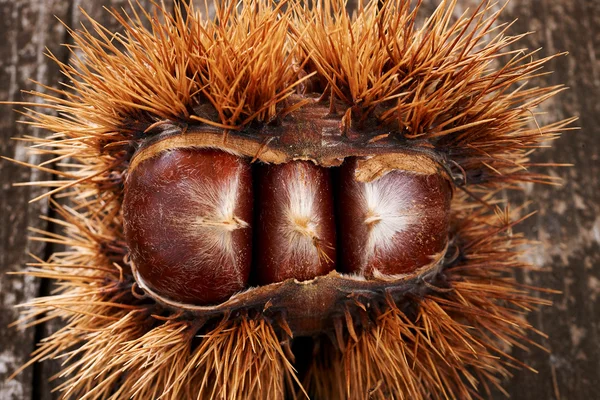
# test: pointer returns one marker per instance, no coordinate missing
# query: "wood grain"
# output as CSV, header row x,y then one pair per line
x,y
26,28
567,226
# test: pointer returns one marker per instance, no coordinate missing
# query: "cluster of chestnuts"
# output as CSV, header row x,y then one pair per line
x,y
203,224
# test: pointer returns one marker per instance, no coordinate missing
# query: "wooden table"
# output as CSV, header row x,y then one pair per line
x,y
567,226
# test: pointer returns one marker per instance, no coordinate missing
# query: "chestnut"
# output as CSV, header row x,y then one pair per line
x,y
393,224
188,218
295,230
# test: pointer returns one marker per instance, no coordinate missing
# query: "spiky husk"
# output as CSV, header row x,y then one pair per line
x,y
450,343
436,86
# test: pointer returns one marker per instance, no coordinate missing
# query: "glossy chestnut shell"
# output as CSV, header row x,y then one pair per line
x,y
188,216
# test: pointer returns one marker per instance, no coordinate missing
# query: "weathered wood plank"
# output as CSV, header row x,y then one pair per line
x,y
568,224
26,28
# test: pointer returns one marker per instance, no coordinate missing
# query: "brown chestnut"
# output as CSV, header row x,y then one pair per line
x,y
295,227
393,224
187,216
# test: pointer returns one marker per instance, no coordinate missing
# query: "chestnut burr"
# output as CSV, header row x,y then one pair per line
x,y
295,228
187,217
